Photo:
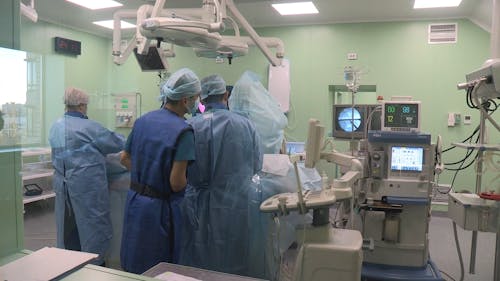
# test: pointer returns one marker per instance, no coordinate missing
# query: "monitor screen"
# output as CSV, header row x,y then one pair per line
x,y
401,116
152,61
349,122
407,158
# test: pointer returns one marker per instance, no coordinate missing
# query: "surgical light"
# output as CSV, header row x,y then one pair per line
x,y
109,24
297,8
422,4
96,4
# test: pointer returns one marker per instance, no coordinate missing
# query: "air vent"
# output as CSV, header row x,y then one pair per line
x,y
441,33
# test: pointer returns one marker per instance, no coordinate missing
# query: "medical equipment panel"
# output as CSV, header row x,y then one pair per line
x,y
401,116
125,110
396,198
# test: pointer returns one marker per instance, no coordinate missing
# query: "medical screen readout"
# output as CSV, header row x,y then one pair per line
x,y
407,158
401,115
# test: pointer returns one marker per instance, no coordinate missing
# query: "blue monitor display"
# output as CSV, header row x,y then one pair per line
x,y
350,122
407,158
349,119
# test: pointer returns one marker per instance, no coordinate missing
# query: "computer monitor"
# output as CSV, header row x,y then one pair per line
x,y
349,122
152,61
407,158
401,116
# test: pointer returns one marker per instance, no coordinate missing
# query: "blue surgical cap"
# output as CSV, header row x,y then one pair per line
x,y
212,85
182,83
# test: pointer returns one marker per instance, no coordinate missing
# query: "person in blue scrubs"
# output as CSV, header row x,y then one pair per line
x,y
215,206
79,148
157,153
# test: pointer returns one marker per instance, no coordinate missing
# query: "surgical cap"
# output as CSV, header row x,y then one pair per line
x,y
212,85
181,84
74,97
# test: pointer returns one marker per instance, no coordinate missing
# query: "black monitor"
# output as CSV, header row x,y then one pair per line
x,y
349,122
407,158
152,61
401,116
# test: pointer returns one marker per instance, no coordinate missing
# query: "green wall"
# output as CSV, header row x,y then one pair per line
x,y
393,56
9,24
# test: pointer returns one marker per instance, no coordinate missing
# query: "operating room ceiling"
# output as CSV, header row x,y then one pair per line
x,y
260,13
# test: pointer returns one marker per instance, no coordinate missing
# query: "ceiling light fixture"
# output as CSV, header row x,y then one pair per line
x,y
109,24
297,8
96,4
422,4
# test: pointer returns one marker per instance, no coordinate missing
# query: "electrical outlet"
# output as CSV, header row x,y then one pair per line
x,y
458,118
219,60
352,56
451,119
467,119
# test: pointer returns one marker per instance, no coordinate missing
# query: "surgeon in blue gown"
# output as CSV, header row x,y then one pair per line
x,y
79,148
157,153
228,154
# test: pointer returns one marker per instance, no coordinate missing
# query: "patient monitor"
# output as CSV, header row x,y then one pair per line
x,y
401,116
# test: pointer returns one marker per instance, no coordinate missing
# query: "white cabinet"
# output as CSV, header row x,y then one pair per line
x,y
37,173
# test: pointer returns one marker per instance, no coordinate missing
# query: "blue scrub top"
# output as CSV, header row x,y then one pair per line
x,y
185,151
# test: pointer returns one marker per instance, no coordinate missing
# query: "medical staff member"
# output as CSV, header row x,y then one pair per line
x,y
215,207
158,151
79,148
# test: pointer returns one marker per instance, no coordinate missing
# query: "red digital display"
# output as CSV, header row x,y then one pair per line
x,y
67,46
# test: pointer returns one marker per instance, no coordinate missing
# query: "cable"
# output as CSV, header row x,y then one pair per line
x,y
465,140
369,120
447,275
277,258
469,153
459,252
466,166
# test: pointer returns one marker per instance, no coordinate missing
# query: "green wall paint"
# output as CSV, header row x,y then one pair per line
x,y
11,205
393,56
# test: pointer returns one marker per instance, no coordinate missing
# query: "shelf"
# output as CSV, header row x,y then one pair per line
x,y
46,194
361,88
494,147
35,151
36,174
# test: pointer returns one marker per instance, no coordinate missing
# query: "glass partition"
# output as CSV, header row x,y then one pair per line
x,y
21,98
21,126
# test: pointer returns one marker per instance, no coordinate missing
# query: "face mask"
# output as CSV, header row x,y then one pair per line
x,y
193,107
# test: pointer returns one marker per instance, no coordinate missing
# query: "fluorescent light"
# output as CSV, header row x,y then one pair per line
x,y
422,4
96,4
109,24
297,8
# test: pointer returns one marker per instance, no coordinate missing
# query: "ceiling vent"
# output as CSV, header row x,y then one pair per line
x,y
441,33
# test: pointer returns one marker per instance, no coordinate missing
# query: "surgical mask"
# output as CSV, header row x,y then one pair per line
x,y
193,107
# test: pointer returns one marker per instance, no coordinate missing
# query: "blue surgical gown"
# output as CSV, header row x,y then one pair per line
x,y
215,206
79,148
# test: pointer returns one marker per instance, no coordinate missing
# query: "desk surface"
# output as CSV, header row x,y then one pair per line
x,y
202,274
88,272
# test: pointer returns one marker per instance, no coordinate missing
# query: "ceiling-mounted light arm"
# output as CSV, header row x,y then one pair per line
x,y
29,11
157,8
251,32
117,31
119,60
234,25
142,13
270,42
